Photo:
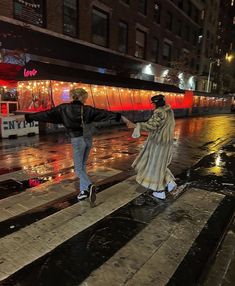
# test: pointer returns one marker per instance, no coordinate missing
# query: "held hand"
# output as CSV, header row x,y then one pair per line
x,y
131,124
124,119
128,122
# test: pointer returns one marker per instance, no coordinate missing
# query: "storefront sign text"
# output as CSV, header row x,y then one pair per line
x,y
11,125
30,73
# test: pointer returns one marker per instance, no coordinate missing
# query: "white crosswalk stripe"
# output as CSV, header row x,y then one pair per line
x,y
25,246
154,254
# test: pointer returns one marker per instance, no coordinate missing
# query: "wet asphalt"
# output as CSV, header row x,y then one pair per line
x,y
203,157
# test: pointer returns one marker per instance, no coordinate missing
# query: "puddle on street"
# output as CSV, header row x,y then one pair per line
x,y
72,262
214,172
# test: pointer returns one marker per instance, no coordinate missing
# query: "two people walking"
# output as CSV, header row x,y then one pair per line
x,y
152,162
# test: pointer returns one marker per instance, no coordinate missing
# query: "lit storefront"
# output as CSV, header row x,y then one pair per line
x,y
9,104
209,103
40,95
42,86
8,91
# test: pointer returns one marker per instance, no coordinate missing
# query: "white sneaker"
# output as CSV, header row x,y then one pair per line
x,y
83,195
171,186
159,195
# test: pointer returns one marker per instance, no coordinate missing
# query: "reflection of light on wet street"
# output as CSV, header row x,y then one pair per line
x,y
117,149
218,160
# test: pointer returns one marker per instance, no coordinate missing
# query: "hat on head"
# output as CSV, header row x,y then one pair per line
x,y
158,98
78,93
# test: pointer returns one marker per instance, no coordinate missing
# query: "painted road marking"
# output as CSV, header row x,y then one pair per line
x,y
152,257
48,192
30,243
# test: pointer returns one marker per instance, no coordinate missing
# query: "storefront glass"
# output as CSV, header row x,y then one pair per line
x,y
42,95
99,96
34,95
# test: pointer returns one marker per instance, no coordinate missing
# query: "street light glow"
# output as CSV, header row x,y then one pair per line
x,y
228,57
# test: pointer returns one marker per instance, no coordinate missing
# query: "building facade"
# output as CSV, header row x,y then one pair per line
x,y
146,39
225,72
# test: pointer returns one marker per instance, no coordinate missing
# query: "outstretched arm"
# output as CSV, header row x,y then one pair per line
x,y
92,114
50,116
154,121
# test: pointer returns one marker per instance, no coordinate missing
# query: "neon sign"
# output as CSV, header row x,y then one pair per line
x,y
30,73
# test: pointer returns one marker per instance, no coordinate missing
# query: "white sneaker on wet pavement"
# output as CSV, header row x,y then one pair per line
x,y
159,195
171,186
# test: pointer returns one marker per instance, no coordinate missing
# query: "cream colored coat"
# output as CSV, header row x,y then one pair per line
x,y
152,162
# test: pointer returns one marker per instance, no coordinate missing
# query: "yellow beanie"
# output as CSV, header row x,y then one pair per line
x,y
78,93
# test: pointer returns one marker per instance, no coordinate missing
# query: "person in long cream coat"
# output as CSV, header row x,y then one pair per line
x,y
153,160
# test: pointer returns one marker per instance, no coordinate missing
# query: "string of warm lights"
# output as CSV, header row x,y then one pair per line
x,y
112,98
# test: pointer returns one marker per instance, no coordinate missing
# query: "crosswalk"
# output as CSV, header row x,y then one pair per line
x,y
149,258
154,254
48,192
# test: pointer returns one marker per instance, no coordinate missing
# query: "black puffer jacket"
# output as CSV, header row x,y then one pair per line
x,y
70,115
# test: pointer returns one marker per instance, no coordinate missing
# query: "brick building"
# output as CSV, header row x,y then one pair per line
x,y
225,73
134,38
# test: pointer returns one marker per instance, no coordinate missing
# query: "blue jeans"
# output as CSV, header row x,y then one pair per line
x,y
81,151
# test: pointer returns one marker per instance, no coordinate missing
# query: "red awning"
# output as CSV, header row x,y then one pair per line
x,y
8,73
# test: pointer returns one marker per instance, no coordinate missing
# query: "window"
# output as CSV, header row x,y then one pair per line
x,y
140,44
70,17
177,54
142,6
99,27
122,37
126,1
181,4
190,8
155,49
179,28
166,53
202,14
157,12
186,33
194,38
169,21
186,6
33,13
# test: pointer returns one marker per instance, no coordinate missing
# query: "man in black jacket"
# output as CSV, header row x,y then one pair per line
x,y
74,116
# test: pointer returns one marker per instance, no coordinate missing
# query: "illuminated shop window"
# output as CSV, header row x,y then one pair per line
x,y
126,98
145,100
34,95
137,102
99,96
114,99
60,91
